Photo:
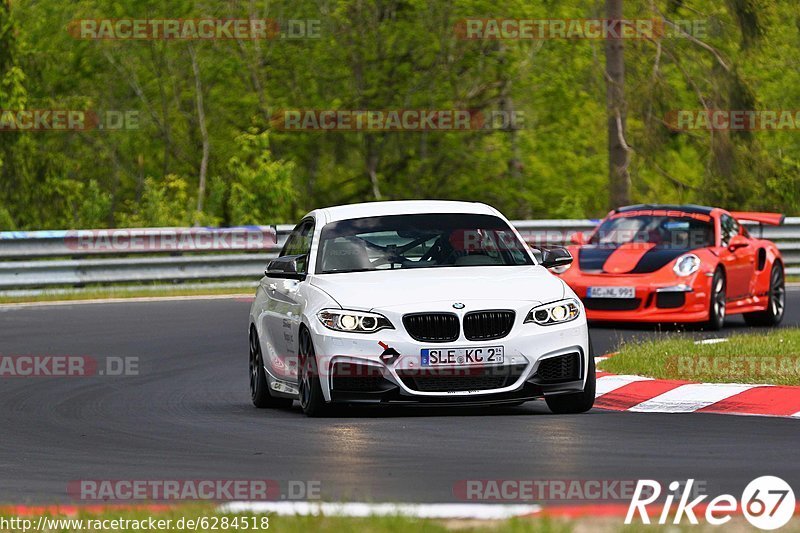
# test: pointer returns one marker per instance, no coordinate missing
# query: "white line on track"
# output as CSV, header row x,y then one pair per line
x,y
359,510
712,341
689,398
125,300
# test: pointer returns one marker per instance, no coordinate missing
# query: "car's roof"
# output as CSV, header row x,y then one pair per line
x,y
403,207
686,208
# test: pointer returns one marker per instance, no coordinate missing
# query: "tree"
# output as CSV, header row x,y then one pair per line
x,y
618,150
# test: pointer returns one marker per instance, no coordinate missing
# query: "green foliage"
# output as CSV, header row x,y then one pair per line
x,y
393,54
262,189
164,203
6,221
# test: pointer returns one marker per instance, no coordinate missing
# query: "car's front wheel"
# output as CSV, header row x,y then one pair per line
x,y
259,388
311,399
578,402
718,304
774,312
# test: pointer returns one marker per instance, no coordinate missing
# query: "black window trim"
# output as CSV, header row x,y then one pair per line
x,y
297,231
724,239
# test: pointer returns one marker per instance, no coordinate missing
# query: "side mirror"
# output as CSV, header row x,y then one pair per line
x,y
578,238
287,267
556,257
738,241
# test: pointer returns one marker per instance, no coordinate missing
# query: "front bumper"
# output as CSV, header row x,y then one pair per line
x,y
684,300
356,368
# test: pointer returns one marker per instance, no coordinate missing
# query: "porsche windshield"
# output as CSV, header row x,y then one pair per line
x,y
418,241
680,232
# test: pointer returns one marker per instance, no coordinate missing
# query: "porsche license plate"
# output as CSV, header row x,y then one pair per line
x,y
491,355
611,292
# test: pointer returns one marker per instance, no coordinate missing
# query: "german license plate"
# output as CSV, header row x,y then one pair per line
x,y
491,355
611,292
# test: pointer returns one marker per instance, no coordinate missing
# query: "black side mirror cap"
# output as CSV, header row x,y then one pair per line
x,y
287,267
556,257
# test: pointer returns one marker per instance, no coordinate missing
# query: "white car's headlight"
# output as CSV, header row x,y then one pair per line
x,y
353,321
686,265
554,313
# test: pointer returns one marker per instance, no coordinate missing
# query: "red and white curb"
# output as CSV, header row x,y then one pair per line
x,y
648,395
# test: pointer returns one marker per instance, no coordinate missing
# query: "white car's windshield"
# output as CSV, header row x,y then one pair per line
x,y
418,241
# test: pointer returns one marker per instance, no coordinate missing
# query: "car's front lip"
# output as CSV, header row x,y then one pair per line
x,y
527,344
648,287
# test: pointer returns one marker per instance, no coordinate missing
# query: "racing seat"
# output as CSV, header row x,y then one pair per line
x,y
477,260
345,253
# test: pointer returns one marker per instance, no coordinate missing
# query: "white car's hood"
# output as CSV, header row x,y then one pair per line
x,y
391,288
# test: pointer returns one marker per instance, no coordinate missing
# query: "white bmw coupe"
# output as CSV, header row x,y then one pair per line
x,y
432,302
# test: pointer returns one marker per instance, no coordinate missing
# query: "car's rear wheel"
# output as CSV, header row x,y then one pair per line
x,y
717,307
259,388
311,399
776,308
578,402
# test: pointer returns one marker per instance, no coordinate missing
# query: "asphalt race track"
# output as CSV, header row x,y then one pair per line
x,y
187,415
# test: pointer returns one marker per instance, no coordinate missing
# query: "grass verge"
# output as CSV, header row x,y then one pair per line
x,y
202,519
772,357
199,518
104,293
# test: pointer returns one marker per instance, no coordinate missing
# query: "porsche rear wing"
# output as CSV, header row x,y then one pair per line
x,y
772,219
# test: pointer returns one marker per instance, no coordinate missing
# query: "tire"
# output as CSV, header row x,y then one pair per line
x,y
717,306
311,399
259,388
578,402
776,308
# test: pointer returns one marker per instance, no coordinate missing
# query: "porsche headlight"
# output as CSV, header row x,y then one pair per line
x,y
686,265
353,321
554,313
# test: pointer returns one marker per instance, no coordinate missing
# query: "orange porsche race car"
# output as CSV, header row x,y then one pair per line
x,y
678,263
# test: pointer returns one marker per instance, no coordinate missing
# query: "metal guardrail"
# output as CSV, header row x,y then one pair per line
x,y
39,259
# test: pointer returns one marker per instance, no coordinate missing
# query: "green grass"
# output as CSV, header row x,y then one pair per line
x,y
771,357
392,524
211,520
102,293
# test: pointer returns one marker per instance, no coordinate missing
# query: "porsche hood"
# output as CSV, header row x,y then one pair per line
x,y
631,258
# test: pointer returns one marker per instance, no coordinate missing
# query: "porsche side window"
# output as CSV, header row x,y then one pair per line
x,y
728,228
